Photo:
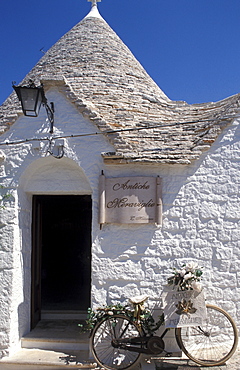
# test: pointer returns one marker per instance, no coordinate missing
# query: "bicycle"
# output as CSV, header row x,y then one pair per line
x,y
119,340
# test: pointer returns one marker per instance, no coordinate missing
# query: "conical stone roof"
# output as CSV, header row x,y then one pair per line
x,y
101,76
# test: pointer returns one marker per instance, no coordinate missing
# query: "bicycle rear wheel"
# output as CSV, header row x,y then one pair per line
x,y
213,343
106,353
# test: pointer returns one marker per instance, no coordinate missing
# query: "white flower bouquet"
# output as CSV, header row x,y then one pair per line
x,y
187,278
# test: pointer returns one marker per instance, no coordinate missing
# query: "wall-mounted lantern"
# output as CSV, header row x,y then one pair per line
x,y
31,98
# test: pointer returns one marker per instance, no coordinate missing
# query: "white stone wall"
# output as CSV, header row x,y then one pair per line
x,y
201,222
28,169
201,218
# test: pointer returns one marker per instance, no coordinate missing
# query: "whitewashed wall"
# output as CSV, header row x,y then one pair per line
x,y
201,222
201,219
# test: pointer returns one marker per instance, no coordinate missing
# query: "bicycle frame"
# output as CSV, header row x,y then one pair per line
x,y
155,347
121,339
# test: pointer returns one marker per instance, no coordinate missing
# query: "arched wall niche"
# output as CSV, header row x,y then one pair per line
x,y
45,176
54,176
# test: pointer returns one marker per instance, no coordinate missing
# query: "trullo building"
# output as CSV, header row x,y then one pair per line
x,y
129,184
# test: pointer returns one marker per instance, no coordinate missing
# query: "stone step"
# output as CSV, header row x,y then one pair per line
x,y
63,315
59,359
55,344
56,335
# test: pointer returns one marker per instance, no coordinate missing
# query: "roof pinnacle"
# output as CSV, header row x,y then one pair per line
x,y
94,2
94,10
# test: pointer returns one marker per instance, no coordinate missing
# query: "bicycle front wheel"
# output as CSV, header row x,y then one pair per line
x,y
103,343
213,343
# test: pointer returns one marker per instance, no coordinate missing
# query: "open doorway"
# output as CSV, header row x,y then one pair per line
x,y
61,255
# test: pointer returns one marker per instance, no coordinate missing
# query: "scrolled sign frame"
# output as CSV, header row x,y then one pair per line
x,y
130,200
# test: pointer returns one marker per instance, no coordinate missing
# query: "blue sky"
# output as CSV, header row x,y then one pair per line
x,y
191,48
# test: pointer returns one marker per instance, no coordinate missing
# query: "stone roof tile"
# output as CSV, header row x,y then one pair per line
x,y
100,75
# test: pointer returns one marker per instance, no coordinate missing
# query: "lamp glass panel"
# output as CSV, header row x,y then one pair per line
x,y
31,100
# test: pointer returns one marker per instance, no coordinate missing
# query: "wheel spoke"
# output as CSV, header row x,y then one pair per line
x,y
214,342
114,328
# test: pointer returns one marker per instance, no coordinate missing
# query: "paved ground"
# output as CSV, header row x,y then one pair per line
x,y
232,364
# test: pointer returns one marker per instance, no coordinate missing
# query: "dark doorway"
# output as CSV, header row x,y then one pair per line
x,y
61,258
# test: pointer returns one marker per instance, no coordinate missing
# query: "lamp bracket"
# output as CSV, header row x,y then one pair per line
x,y
50,114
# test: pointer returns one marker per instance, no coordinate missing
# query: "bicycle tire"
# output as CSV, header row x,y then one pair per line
x,y
108,356
213,343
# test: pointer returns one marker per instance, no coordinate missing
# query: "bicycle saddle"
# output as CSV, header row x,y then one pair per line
x,y
138,299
